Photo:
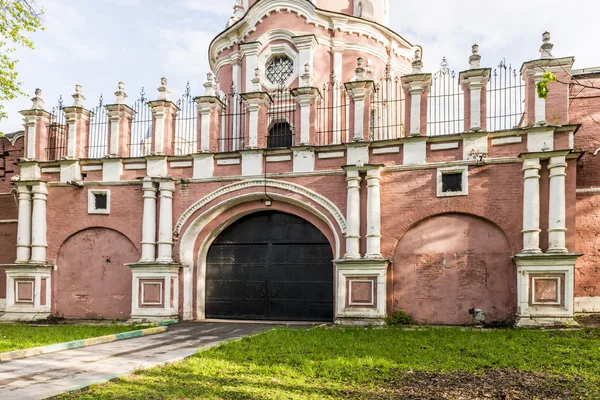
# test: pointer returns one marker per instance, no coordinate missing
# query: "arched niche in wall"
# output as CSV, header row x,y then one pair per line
x,y
449,263
91,279
364,9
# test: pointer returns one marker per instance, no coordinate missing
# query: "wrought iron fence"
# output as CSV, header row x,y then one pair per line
x,y
186,125
387,109
140,139
234,122
445,111
57,133
505,98
333,114
98,131
281,119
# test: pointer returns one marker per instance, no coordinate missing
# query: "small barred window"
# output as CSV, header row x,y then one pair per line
x,y
279,69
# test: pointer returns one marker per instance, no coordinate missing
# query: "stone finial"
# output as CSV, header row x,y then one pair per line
x,y
210,87
256,81
78,97
306,77
547,46
163,90
417,63
37,101
120,95
360,70
475,59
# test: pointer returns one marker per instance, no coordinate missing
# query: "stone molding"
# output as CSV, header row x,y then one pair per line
x,y
283,185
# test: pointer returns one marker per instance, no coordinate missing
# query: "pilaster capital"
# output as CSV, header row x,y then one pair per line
x,y
416,83
538,67
475,78
33,115
338,46
306,95
250,48
305,42
358,90
160,108
257,98
208,103
72,113
119,110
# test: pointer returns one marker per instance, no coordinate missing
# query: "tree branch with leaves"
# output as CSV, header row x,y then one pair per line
x,y
18,18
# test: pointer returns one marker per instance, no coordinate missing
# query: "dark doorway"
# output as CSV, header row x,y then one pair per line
x,y
280,135
270,266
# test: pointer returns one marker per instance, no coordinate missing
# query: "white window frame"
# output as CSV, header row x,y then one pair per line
x,y
282,49
464,170
92,201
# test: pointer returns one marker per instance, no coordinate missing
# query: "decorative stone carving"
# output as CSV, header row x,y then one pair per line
x,y
37,101
120,95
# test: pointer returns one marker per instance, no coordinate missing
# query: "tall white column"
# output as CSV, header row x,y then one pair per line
x,y
338,52
353,215
149,222
38,225
24,227
165,227
557,227
373,214
531,205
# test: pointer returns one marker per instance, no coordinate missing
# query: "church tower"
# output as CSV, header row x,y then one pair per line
x,y
275,42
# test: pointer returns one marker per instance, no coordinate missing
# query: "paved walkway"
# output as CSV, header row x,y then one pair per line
x,y
52,374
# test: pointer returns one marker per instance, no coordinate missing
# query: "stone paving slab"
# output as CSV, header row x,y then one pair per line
x,y
56,373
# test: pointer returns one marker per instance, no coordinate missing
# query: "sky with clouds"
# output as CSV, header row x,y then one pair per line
x,y
99,43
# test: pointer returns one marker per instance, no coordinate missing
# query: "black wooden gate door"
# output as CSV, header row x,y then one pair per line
x,y
270,265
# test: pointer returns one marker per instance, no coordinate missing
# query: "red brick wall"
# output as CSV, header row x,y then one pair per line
x,y
9,155
585,110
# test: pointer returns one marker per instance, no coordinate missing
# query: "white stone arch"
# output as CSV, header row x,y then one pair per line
x,y
333,218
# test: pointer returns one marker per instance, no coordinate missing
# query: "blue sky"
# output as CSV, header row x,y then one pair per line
x,y
99,43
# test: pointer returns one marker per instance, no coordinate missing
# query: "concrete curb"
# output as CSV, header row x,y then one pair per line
x,y
53,348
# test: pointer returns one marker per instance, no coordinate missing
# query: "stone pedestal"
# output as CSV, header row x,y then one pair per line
x,y
361,291
28,292
545,286
155,292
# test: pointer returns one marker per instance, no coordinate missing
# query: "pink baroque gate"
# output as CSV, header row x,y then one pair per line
x,y
202,223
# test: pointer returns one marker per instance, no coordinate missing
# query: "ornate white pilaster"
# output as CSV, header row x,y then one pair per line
x,y
353,215
24,227
250,51
338,54
38,226
374,213
149,222
305,96
165,228
557,208
256,101
415,85
531,205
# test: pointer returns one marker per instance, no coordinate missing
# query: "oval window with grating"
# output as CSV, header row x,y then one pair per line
x,y
279,69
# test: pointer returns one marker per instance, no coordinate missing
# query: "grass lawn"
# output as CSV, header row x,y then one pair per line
x,y
372,363
24,336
